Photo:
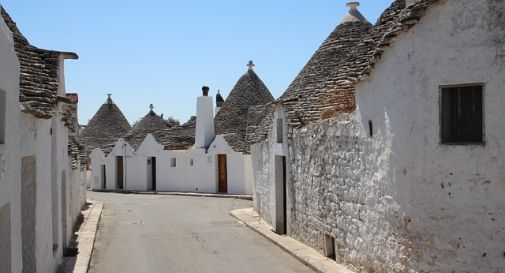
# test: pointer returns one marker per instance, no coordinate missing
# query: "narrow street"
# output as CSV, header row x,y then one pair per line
x,y
162,233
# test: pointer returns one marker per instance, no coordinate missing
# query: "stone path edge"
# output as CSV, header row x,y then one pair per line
x,y
306,255
87,236
193,194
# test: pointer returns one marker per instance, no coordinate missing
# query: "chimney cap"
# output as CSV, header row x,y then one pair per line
x,y
205,90
352,5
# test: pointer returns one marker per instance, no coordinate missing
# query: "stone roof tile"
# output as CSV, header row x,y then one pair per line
x,y
39,73
180,137
232,117
149,124
105,128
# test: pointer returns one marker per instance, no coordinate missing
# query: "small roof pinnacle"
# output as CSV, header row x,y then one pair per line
x,y
151,106
251,65
109,100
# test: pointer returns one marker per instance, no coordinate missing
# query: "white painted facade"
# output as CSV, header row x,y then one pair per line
x,y
192,170
204,132
10,160
400,200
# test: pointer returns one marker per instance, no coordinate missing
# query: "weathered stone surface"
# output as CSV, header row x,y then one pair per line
x,y
105,128
180,137
149,124
39,73
232,117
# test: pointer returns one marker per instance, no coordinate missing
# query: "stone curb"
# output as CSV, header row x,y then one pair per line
x,y
193,194
306,255
86,237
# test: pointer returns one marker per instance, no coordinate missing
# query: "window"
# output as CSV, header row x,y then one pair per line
x,y
191,162
173,162
2,117
279,131
461,114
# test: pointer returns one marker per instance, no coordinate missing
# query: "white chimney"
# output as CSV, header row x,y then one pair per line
x,y
204,120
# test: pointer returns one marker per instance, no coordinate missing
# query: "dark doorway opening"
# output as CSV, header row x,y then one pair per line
x,y
222,174
119,172
281,222
103,177
151,169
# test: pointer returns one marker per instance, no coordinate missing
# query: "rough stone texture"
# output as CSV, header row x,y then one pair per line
x,y
105,128
259,120
263,176
39,77
400,201
178,137
232,117
5,238
326,85
147,125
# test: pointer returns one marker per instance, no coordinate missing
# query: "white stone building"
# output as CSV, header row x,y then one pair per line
x,y
386,153
42,189
208,154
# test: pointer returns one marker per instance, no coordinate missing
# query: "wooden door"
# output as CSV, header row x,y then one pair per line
x,y
104,178
153,173
222,174
119,172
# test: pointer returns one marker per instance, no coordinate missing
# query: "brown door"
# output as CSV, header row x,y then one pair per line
x,y
104,178
119,172
153,172
222,174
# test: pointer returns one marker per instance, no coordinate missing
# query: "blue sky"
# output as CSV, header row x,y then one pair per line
x,y
162,52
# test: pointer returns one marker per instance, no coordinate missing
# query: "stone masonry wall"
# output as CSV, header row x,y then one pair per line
x,y
263,177
340,191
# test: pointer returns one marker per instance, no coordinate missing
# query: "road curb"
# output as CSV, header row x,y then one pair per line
x,y
193,194
306,255
86,237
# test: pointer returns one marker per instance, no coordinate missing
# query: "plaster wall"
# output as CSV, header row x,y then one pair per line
x,y
36,142
264,171
122,148
199,177
401,201
10,159
239,166
204,131
97,158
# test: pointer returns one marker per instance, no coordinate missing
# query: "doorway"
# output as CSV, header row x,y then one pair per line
x,y
119,173
222,174
28,215
151,173
103,177
280,195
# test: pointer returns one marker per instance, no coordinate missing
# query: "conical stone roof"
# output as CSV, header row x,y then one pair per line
x,y
232,118
147,125
312,94
180,137
105,128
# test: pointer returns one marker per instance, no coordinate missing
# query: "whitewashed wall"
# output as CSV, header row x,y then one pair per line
x,y
400,201
10,160
450,197
239,168
97,158
122,148
200,177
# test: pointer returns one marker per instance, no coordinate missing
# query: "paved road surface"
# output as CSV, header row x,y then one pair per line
x,y
162,233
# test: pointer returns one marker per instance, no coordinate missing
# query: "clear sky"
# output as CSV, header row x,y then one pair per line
x,y
163,51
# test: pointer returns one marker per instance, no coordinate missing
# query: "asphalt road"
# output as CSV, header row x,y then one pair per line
x,y
162,233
